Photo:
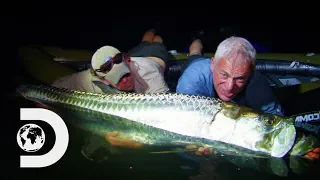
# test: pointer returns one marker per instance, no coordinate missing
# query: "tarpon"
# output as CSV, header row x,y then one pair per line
x,y
171,118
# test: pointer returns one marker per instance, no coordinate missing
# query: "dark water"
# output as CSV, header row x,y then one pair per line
x,y
73,165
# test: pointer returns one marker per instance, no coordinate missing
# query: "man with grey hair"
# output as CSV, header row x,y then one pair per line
x,y
230,75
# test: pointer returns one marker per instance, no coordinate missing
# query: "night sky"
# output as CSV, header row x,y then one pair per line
x,y
284,34
277,34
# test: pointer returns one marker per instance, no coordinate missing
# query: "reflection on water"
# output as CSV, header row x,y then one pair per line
x,y
222,169
170,166
137,165
146,166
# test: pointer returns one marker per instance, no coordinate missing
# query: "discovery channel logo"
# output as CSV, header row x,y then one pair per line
x,y
31,137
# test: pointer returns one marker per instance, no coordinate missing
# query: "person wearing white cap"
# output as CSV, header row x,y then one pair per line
x,y
140,71
125,73
88,80
113,71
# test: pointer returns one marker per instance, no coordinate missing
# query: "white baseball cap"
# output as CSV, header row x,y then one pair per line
x,y
105,54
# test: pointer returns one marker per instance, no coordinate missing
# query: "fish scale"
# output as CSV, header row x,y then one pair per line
x,y
168,118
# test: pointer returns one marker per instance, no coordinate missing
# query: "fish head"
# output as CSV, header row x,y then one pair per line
x,y
280,134
263,132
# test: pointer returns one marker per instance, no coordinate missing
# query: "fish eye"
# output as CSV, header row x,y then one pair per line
x,y
269,120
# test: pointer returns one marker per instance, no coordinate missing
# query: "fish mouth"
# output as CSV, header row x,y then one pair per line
x,y
284,140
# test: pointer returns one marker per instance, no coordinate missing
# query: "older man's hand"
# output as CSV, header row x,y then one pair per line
x,y
305,142
314,154
114,139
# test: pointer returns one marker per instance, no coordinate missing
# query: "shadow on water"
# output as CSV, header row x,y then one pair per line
x,y
74,165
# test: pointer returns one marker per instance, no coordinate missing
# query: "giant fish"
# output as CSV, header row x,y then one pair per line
x,y
170,119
